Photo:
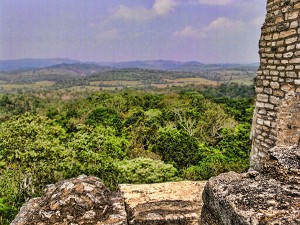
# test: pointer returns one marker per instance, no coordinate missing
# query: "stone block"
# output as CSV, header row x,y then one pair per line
x,y
274,100
288,33
291,74
268,91
295,60
291,40
262,98
288,55
266,83
293,15
278,93
269,106
165,203
274,85
297,6
294,24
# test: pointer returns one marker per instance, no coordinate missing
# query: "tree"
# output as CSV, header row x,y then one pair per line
x,y
177,147
105,117
211,123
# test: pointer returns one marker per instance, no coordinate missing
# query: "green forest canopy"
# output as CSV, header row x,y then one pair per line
x,y
122,137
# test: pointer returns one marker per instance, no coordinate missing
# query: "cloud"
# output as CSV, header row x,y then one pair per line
x,y
223,24
220,26
215,2
107,35
132,14
190,32
163,7
141,14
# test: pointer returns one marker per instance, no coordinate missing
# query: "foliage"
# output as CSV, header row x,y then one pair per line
x,y
105,117
120,136
143,170
177,147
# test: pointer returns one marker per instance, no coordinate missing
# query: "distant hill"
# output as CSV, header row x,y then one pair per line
x,y
53,73
148,64
166,65
29,64
83,69
192,66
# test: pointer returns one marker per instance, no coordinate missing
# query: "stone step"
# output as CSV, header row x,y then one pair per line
x,y
165,203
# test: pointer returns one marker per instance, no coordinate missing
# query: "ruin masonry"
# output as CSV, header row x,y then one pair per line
x,y
277,114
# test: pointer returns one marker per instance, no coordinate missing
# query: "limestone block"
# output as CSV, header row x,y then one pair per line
x,y
291,40
275,85
288,55
295,60
287,33
262,98
166,203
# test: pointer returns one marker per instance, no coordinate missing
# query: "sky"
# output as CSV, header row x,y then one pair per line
x,y
208,31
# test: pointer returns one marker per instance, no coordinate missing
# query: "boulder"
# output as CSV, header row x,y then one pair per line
x,y
271,196
81,200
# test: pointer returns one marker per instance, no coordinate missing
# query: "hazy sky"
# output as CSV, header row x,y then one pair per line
x,y
209,31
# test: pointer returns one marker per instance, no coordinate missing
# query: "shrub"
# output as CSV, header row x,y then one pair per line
x,y
143,170
177,147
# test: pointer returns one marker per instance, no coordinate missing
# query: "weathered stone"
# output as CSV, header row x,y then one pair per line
x,y
262,98
288,55
274,100
291,74
288,33
284,165
295,60
278,93
250,199
275,85
167,203
266,83
82,200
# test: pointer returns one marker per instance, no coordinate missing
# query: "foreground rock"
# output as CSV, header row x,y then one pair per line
x,y
86,201
268,197
166,203
82,200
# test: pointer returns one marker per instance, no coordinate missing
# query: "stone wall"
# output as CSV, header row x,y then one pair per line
x,y
277,115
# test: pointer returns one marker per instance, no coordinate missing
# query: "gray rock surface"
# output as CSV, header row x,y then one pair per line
x,y
250,199
283,164
82,200
268,197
